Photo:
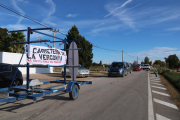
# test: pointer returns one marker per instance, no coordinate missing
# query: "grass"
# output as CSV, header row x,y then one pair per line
x,y
172,91
98,68
173,78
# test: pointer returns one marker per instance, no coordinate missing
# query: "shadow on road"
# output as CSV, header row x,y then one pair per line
x,y
14,105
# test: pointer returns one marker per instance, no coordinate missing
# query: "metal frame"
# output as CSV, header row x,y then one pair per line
x,y
34,92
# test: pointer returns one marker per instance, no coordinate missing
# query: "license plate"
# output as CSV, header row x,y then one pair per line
x,y
114,73
136,69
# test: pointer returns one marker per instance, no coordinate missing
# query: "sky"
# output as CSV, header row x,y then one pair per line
x,y
138,27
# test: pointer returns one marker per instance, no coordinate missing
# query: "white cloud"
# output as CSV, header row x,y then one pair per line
x,y
52,7
114,10
14,3
173,29
105,28
71,15
157,53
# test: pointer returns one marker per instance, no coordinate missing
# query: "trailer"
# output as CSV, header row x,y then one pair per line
x,y
32,90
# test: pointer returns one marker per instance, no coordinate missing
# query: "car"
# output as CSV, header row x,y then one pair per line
x,y
6,76
147,67
129,67
118,69
136,68
82,71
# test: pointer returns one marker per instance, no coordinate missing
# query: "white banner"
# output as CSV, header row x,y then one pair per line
x,y
45,55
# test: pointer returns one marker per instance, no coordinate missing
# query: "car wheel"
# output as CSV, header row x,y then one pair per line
x,y
122,75
109,75
16,83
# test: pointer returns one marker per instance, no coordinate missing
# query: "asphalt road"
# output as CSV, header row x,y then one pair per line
x,y
107,98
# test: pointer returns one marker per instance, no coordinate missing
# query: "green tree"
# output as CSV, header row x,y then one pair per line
x,y
134,63
142,62
6,38
100,63
146,60
150,63
172,60
85,55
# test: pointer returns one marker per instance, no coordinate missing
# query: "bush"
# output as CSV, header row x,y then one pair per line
x,y
173,78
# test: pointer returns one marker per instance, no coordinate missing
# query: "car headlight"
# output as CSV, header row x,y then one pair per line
x,y
120,70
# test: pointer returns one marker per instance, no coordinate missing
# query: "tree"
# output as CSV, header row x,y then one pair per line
x,y
100,63
150,63
6,38
142,62
172,60
85,55
146,60
134,63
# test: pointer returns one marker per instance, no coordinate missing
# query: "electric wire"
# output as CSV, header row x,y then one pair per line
x,y
42,24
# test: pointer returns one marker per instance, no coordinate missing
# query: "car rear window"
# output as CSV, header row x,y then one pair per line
x,y
146,65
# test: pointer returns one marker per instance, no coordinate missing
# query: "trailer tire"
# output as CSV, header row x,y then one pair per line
x,y
74,93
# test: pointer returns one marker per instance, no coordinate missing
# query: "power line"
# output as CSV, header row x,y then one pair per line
x,y
43,24
129,55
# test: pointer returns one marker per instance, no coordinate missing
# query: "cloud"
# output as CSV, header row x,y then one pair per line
x,y
121,13
157,53
105,28
52,7
123,5
14,3
173,29
71,15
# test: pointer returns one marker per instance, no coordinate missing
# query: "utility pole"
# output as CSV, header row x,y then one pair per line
x,y
137,59
122,55
55,31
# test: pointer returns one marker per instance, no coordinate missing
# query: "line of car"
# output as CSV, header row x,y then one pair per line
x,y
140,67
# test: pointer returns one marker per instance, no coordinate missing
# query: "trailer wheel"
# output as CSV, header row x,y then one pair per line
x,y
74,93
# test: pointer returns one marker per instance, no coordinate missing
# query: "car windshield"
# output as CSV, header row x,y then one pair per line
x,y
82,67
136,66
119,65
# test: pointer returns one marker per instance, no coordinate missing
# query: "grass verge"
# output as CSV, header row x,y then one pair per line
x,y
171,90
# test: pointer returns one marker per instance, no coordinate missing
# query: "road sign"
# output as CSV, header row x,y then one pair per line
x,y
178,70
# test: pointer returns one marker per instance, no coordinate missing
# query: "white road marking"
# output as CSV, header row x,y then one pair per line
x,y
160,93
157,84
165,103
160,117
150,102
155,81
159,87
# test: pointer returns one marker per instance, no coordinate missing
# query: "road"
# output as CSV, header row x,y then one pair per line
x,y
137,96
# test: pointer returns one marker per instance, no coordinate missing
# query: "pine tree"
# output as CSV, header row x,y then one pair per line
x,y
85,55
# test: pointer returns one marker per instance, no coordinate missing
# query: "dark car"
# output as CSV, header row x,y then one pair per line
x,y
6,76
118,69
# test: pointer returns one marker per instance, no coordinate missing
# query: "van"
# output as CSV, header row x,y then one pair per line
x,y
118,69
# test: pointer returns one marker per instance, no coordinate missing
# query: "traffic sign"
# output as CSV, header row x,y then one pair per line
x,y
178,70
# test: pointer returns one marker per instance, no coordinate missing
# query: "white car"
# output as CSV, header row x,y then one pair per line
x,y
82,71
146,66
